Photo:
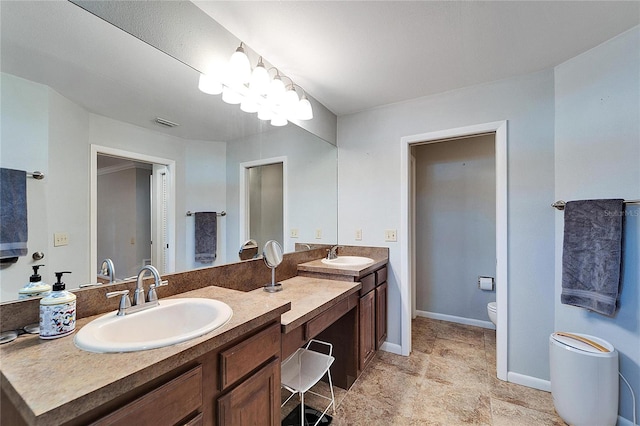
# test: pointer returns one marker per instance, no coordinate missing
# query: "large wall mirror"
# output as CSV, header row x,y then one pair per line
x,y
79,100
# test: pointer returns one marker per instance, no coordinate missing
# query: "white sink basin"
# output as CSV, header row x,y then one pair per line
x,y
172,321
348,261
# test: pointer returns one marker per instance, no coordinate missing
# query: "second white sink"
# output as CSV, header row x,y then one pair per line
x,y
348,261
172,321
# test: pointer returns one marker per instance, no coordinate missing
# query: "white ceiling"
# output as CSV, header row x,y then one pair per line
x,y
356,55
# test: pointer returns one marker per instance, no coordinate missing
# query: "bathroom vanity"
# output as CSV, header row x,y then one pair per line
x,y
229,376
229,372
372,296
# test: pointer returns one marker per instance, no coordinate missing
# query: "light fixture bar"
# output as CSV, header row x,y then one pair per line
x,y
256,92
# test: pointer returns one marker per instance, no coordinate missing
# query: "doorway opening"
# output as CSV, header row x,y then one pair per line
x,y
454,228
408,227
263,200
132,211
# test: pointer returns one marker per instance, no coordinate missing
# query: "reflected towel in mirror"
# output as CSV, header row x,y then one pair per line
x,y
13,215
206,236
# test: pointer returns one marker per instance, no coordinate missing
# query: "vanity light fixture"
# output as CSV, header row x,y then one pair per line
x,y
256,91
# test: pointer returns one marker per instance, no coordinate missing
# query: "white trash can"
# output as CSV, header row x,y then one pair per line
x,y
584,379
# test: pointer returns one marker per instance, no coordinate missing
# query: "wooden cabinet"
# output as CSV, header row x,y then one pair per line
x,y
177,402
367,345
255,401
237,383
381,314
373,315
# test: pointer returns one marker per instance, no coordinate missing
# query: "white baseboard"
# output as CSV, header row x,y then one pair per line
x,y
458,320
532,382
391,347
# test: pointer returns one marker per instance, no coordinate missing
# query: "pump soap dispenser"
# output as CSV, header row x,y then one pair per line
x,y
35,287
57,311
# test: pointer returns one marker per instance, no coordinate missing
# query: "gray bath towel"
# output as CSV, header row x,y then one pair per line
x,y
13,214
206,236
591,254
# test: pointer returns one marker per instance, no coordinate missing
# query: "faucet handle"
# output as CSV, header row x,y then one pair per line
x,y
152,296
124,300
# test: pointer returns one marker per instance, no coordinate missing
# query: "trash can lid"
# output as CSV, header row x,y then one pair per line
x,y
583,342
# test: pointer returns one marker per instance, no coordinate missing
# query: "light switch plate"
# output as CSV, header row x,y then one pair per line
x,y
390,235
294,233
60,239
358,234
318,234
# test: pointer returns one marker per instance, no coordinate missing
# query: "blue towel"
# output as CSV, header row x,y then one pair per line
x,y
592,254
206,236
13,214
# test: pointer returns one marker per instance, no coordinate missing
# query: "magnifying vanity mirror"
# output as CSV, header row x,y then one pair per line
x,y
272,255
74,87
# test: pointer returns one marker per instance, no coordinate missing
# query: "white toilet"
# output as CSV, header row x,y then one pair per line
x,y
492,310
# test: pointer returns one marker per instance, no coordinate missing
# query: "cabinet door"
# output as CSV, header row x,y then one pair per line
x,y
381,314
256,401
367,328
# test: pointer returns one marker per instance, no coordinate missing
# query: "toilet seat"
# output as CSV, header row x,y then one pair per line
x,y
492,306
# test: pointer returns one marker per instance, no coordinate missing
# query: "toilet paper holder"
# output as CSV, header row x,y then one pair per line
x,y
486,283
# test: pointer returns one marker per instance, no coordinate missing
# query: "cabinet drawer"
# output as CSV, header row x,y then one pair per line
x,y
248,355
166,405
368,283
318,323
381,275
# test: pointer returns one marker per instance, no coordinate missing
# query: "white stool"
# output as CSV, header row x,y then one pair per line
x,y
304,369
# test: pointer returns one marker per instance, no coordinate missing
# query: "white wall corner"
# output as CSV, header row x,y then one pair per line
x,y
531,382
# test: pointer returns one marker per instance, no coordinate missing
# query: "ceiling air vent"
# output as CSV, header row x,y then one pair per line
x,y
165,122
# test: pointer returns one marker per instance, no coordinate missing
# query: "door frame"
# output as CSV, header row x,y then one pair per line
x,y
244,197
407,230
157,205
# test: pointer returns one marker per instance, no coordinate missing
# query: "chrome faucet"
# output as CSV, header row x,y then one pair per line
x,y
139,301
333,253
108,270
138,294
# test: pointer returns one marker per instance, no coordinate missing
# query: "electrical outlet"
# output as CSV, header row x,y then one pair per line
x,y
318,234
60,239
390,235
358,234
294,233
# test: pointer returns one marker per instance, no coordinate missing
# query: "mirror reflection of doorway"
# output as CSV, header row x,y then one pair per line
x,y
263,200
266,200
124,213
132,219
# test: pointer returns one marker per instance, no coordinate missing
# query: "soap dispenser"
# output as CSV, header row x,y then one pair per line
x,y
57,311
35,287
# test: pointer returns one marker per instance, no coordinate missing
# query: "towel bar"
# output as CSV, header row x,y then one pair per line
x,y
560,203
222,213
36,175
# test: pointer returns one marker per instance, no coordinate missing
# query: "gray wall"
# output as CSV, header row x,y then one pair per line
x,y
265,205
124,214
369,194
598,156
455,226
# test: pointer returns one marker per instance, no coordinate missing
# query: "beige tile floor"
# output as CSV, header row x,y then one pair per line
x,y
449,379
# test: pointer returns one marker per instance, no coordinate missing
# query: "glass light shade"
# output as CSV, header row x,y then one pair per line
x,y
231,96
239,66
304,109
249,104
259,82
276,91
278,120
264,113
209,85
290,102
